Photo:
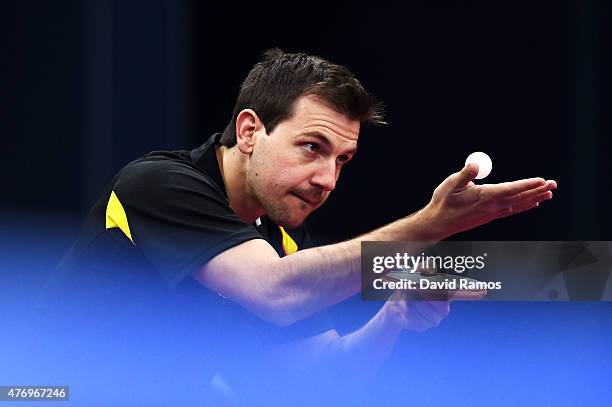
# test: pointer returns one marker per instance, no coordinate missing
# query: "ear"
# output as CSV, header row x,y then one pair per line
x,y
247,125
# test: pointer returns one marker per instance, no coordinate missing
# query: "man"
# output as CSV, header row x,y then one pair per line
x,y
228,217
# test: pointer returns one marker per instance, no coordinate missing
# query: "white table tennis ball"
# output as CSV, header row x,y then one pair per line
x,y
484,163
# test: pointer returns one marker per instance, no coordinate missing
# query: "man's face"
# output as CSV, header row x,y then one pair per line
x,y
292,170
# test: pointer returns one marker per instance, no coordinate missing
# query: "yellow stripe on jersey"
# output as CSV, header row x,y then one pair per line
x,y
289,245
116,217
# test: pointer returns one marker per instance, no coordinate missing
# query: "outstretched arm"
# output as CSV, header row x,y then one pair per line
x,y
284,290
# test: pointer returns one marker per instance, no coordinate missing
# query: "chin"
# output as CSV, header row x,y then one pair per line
x,y
287,216
292,224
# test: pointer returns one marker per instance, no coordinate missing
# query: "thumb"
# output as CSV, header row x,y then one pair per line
x,y
463,177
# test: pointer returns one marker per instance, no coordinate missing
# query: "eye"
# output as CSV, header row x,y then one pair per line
x,y
342,159
311,147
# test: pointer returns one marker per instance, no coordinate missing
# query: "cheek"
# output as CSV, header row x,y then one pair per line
x,y
270,180
273,171
282,181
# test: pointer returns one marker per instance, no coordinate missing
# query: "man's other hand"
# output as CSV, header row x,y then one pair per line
x,y
414,315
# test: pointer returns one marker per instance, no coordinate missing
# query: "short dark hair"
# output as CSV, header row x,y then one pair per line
x,y
279,79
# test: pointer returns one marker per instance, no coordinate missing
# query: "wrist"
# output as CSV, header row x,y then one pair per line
x,y
430,223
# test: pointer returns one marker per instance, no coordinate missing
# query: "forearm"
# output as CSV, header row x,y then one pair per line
x,y
369,346
316,278
285,290
360,353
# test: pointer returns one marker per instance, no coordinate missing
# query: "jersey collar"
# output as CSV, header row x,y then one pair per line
x,y
205,158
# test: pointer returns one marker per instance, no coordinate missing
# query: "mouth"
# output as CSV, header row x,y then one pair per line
x,y
310,201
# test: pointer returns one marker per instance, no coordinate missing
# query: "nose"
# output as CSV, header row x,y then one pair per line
x,y
326,176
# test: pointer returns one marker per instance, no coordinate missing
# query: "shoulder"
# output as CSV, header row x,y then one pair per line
x,y
162,175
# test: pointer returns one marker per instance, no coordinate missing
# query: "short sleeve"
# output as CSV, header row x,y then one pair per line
x,y
176,216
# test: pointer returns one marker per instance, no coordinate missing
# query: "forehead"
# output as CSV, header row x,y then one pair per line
x,y
312,115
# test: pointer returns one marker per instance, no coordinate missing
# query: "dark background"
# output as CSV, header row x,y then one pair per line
x,y
92,85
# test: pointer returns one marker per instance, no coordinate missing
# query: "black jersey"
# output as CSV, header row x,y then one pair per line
x,y
163,216
126,283
170,210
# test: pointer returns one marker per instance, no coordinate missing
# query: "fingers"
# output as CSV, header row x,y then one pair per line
x,y
513,211
536,198
507,189
415,321
427,314
467,295
526,199
548,186
416,315
521,205
441,307
461,179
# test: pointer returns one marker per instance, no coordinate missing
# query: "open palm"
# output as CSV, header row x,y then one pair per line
x,y
459,204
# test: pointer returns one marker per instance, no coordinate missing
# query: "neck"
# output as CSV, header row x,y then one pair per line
x,y
233,170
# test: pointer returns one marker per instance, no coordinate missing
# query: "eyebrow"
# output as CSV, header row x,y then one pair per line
x,y
323,139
